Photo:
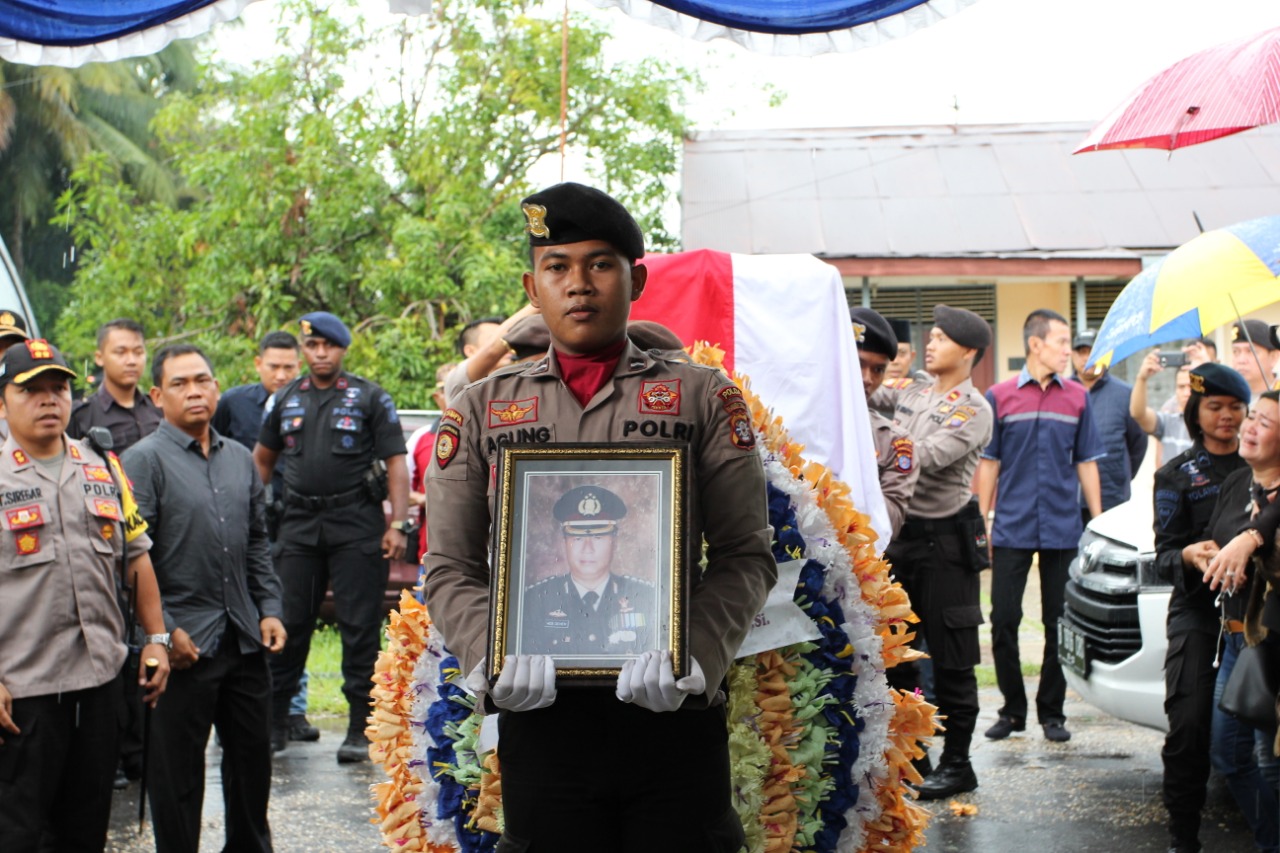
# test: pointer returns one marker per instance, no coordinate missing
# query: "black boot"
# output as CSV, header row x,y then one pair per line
x,y
354,749
279,735
301,729
952,776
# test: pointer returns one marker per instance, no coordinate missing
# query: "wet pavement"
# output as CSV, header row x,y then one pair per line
x,y
1098,792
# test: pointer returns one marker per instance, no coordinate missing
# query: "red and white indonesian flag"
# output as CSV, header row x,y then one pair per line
x,y
783,322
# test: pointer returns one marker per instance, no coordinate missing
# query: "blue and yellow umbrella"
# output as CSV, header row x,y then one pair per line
x,y
1205,283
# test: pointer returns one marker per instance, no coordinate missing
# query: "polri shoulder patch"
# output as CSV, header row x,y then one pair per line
x,y
446,445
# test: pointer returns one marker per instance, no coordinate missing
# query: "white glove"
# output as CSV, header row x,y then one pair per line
x,y
527,682
649,682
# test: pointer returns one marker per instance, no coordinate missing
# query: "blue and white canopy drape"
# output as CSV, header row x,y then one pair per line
x,y
73,32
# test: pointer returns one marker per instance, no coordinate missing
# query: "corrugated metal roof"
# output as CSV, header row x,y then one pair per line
x,y
966,190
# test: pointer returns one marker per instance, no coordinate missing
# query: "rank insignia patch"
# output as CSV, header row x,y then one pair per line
x,y
19,457
74,451
953,396
660,397
510,412
39,349
903,453
446,445
20,518
97,473
28,543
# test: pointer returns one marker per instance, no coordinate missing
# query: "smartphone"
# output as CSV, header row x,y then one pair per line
x,y
1172,358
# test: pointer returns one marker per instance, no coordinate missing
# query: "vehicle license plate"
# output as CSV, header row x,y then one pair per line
x,y
1071,649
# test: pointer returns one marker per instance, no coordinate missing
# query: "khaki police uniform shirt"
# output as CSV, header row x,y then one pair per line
x,y
59,562
652,397
895,456
949,432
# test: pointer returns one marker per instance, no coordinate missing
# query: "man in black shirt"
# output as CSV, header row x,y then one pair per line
x,y
118,404
333,428
203,501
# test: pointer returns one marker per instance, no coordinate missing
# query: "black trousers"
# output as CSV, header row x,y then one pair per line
x,y
358,574
928,561
590,773
230,691
55,777
1189,677
1009,570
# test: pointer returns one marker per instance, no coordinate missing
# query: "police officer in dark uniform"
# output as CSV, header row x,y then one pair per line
x,y
1186,491
590,609
941,548
333,428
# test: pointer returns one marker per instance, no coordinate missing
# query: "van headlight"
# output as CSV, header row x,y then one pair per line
x,y
1110,567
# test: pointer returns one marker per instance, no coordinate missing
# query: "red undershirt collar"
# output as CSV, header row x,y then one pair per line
x,y
587,374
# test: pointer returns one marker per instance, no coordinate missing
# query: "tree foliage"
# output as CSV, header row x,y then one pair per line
x,y
389,198
50,120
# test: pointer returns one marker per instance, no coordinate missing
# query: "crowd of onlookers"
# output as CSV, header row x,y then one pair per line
x,y
1057,449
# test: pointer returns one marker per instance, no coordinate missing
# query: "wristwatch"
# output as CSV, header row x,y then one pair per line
x,y
402,526
165,640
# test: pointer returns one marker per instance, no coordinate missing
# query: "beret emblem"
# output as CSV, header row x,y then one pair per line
x,y
536,214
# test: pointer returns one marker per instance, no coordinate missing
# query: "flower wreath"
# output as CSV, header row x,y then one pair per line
x,y
820,745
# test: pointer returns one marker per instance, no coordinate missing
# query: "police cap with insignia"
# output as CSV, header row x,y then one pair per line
x,y
1084,339
901,329
573,213
322,324
1214,380
12,325
529,336
26,360
647,335
589,511
964,327
1258,331
873,333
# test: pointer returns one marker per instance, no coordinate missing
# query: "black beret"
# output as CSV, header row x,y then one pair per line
x,y
325,325
1214,380
573,213
1259,333
646,334
589,510
901,329
873,333
964,327
529,336
12,325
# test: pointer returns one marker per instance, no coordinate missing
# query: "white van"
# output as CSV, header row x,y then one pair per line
x,y
1111,638
12,294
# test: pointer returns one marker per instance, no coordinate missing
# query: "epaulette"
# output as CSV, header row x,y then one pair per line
x,y
543,582
639,581
900,383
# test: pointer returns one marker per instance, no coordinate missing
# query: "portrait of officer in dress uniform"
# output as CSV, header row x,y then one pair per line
x,y
591,609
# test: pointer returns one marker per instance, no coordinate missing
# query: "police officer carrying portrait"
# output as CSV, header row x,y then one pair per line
x,y
895,451
942,547
645,765
590,609
66,513
344,452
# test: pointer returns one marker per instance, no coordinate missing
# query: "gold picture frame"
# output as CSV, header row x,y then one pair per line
x,y
577,519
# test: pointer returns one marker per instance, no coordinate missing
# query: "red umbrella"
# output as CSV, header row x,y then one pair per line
x,y
1213,93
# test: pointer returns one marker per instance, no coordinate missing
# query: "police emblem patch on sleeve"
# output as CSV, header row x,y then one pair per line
x,y
446,445
660,397
740,432
903,454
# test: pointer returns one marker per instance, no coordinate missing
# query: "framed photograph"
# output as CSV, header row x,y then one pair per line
x,y
590,557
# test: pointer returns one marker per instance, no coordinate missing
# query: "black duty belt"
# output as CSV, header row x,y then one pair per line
x,y
319,502
924,526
